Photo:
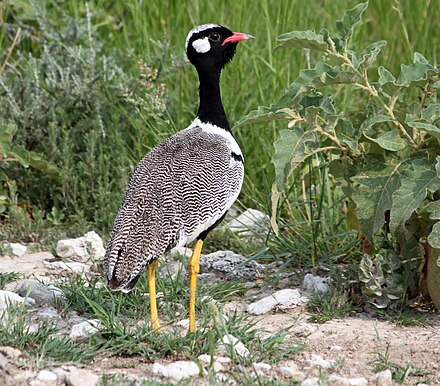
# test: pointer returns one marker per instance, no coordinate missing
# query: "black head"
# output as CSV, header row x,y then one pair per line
x,y
211,46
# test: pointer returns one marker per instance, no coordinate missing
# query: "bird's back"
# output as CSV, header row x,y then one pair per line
x,y
181,188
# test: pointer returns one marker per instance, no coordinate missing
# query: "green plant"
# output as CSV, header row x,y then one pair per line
x,y
378,135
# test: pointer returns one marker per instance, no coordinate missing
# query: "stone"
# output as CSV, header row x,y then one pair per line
x,y
316,284
81,377
282,299
336,380
177,370
318,361
82,249
217,361
28,264
63,269
229,264
239,348
47,377
174,269
84,330
291,370
251,223
261,368
33,289
311,382
10,352
383,378
7,298
3,362
16,248
181,251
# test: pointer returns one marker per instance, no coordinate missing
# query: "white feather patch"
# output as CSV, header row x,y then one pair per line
x,y
199,28
213,129
201,45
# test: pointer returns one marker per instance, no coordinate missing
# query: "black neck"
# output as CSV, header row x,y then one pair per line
x,y
211,108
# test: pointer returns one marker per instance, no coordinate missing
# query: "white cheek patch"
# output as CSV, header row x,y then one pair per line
x,y
201,45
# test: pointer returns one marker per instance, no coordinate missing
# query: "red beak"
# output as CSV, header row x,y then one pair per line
x,y
236,37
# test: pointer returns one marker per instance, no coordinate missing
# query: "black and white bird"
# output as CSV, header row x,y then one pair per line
x,y
184,186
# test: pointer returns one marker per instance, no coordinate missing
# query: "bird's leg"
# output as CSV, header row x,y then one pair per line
x,y
152,288
194,268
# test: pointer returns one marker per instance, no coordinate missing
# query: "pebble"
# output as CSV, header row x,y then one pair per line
x,y
85,329
283,299
82,377
82,249
16,248
47,377
316,284
3,362
177,370
383,378
33,289
335,380
62,268
7,298
318,361
261,368
10,352
231,265
239,348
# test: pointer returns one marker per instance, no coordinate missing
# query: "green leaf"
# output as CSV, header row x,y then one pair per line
x,y
369,55
416,181
433,208
373,191
349,20
293,147
422,125
322,75
389,140
6,134
303,39
385,76
431,113
434,236
263,114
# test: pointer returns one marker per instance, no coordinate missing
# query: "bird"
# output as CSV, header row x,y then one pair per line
x,y
183,187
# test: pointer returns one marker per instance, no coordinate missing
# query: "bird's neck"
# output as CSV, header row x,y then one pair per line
x,y
211,108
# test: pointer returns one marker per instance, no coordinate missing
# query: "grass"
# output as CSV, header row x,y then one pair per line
x,y
126,331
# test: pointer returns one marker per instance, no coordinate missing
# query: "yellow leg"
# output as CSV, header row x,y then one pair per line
x,y
152,288
194,269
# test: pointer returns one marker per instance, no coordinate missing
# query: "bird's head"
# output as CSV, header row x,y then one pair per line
x,y
211,46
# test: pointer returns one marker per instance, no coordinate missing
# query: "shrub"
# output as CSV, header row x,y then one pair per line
x,y
382,149
82,110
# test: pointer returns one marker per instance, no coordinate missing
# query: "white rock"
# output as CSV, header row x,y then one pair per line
x,y
311,382
16,248
82,249
61,268
383,378
47,377
10,352
316,284
336,348
217,361
3,362
85,329
231,265
239,348
82,377
177,370
283,299
184,323
291,371
261,367
7,298
250,223
318,361
336,380
33,289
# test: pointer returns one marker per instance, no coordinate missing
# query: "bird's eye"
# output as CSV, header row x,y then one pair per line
x,y
214,37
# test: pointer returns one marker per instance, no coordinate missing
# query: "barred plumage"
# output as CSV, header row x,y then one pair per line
x,y
183,187
178,190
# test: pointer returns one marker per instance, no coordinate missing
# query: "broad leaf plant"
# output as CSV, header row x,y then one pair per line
x,y
384,154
